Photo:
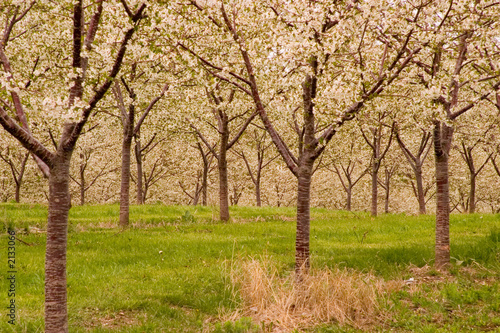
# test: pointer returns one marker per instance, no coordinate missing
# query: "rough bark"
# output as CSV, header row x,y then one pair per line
x,y
303,217
306,160
56,315
442,137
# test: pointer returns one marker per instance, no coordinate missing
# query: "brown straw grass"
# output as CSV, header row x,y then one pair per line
x,y
322,296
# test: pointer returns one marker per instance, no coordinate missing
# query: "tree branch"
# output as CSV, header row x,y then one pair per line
x,y
148,109
71,141
25,138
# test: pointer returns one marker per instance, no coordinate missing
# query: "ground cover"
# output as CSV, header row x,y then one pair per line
x,y
174,269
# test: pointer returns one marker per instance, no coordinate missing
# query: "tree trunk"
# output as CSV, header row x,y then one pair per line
x,y
374,188
125,174
258,191
222,163
146,188
416,162
420,188
56,313
138,158
223,188
82,185
303,217
443,135
18,192
204,184
386,199
442,212
472,194
19,178
349,198
196,197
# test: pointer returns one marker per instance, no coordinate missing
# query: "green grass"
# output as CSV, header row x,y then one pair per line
x,y
170,271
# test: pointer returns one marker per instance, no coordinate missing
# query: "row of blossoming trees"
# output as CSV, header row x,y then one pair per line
x,y
175,171
337,89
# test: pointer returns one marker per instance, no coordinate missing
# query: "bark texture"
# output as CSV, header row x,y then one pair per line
x,y
442,137
56,315
303,217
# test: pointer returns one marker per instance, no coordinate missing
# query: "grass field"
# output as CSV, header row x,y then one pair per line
x,y
171,271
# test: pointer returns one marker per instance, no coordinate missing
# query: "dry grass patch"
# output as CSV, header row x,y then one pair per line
x,y
113,320
327,295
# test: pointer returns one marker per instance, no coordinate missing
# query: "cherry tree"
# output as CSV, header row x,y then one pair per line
x,y
222,102
93,158
258,143
416,161
131,129
348,163
457,73
377,128
16,159
87,73
390,168
147,175
201,186
466,154
327,60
